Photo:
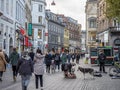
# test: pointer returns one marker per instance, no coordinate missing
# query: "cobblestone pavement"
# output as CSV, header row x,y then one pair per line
x,y
57,81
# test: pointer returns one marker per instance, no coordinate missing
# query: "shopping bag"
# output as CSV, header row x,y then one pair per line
x,y
9,65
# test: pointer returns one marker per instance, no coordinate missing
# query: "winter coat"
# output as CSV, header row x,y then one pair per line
x,y
39,64
57,59
14,56
101,58
63,58
25,65
31,54
2,62
48,59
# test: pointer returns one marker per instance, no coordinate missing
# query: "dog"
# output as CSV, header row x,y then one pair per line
x,y
86,70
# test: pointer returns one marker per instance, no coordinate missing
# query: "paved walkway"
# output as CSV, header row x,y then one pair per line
x,y
57,81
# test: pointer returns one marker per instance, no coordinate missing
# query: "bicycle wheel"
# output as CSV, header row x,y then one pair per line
x,y
113,71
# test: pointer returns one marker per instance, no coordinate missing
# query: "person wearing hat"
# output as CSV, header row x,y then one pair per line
x,y
101,59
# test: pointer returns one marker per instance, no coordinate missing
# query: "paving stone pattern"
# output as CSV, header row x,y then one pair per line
x,y
57,81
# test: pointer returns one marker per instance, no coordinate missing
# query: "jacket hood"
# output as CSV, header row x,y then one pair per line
x,y
26,57
38,55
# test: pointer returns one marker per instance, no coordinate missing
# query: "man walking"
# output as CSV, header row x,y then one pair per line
x,y
14,56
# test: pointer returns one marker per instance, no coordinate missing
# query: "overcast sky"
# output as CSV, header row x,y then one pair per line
x,y
72,8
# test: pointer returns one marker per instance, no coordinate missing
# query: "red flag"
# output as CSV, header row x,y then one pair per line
x,y
22,31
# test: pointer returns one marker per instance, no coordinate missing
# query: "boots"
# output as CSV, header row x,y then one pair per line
x,y
14,78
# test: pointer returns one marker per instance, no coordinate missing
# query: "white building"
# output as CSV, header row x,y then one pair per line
x,y
13,18
7,25
38,21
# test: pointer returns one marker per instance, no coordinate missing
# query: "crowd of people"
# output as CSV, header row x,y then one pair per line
x,y
30,62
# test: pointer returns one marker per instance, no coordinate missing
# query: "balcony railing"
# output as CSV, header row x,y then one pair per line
x,y
114,29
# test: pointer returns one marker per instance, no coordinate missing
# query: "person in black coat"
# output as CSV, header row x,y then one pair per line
x,y
101,59
48,59
25,69
57,60
31,54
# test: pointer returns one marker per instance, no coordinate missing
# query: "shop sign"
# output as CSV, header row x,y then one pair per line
x,y
117,41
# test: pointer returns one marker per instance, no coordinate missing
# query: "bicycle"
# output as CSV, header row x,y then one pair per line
x,y
115,69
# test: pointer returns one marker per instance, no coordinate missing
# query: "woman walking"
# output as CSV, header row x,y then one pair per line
x,y
39,68
2,64
25,69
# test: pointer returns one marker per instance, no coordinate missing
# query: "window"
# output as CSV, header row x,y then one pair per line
x,y
11,8
7,7
40,7
39,34
40,19
2,5
92,23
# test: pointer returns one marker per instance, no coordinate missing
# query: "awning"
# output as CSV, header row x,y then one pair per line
x,y
27,43
22,31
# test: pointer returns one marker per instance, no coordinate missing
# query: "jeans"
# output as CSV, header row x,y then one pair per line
x,y
37,78
25,81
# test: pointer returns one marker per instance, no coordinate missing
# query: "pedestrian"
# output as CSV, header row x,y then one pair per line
x,y
68,57
14,56
48,59
25,69
63,57
77,58
2,64
57,60
39,68
31,54
101,59
73,57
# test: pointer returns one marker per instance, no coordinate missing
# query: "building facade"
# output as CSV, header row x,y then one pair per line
x,y
83,41
55,31
38,23
7,25
108,29
91,23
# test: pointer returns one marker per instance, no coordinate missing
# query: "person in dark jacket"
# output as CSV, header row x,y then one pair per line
x,y
14,56
101,59
31,54
48,59
25,69
57,60
77,58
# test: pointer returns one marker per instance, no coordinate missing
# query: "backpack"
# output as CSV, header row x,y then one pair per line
x,y
57,57
66,67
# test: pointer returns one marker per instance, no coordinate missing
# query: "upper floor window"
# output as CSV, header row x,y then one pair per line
x,y
40,8
2,5
40,19
7,7
39,34
92,22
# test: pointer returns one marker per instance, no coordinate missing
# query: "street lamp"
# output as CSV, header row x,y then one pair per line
x,y
53,3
